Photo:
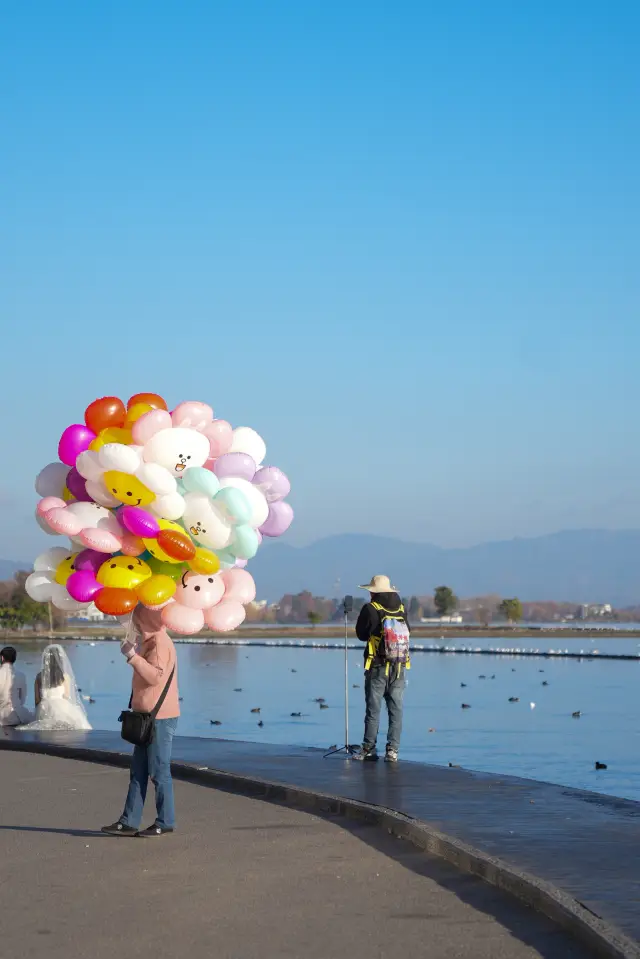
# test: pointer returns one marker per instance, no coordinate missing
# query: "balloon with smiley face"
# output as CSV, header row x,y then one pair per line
x,y
123,572
177,449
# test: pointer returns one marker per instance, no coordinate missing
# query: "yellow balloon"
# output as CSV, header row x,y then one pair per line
x,y
136,411
204,562
123,572
67,495
65,569
153,546
156,590
111,434
128,489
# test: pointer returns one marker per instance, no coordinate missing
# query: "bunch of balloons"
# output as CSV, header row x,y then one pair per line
x,y
162,508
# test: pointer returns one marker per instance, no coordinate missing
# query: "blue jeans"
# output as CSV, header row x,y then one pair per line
x,y
153,761
379,686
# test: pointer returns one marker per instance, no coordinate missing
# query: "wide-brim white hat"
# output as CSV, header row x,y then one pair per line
x,y
379,584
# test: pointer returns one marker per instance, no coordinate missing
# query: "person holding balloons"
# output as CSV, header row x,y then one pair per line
x,y
153,660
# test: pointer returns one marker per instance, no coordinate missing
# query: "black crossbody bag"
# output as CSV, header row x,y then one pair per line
x,y
137,728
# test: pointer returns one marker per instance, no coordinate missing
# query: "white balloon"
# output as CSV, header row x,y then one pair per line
x,y
44,526
39,586
48,562
257,501
117,456
246,440
88,465
52,480
100,494
204,522
61,600
177,449
169,506
156,478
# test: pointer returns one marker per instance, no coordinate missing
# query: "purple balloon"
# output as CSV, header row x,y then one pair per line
x,y
83,586
75,440
138,522
273,483
240,465
89,561
77,486
240,563
278,521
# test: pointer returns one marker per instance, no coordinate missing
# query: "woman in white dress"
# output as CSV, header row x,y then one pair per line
x,y
58,703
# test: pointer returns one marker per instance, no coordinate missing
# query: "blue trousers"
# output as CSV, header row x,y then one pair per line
x,y
379,686
152,762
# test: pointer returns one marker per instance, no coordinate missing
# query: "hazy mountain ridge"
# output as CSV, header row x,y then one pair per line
x,y
574,565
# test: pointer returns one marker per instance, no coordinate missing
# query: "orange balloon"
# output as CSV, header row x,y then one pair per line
x,y
177,545
105,412
152,399
115,602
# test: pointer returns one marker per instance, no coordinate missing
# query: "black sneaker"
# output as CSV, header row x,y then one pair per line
x,y
154,831
119,829
368,754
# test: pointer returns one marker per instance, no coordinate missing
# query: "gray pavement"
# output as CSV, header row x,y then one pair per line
x,y
241,878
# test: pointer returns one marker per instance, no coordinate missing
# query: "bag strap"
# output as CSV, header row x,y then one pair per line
x,y
154,712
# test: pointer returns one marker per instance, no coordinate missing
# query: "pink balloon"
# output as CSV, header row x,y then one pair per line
x,y
75,440
192,415
139,522
240,465
239,586
83,586
63,521
225,616
198,591
148,425
279,519
89,560
100,539
131,545
44,526
220,436
50,502
182,619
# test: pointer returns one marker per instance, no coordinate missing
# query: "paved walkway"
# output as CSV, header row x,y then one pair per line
x,y
586,844
241,879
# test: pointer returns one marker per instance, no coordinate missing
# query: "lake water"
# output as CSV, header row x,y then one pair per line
x,y
494,735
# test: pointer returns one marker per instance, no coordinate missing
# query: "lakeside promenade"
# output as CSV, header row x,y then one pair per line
x,y
240,879
573,855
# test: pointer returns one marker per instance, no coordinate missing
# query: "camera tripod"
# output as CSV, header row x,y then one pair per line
x,y
347,749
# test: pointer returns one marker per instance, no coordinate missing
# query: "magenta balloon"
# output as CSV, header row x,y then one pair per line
x,y
139,522
272,483
278,521
83,586
89,560
77,486
240,465
74,440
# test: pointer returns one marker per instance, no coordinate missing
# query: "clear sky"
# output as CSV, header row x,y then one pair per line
x,y
399,239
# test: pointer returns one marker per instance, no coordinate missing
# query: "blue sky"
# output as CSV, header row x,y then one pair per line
x,y
400,240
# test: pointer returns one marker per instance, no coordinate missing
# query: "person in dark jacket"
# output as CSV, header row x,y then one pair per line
x,y
381,681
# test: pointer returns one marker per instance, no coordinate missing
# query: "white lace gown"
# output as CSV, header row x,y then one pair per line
x,y
55,711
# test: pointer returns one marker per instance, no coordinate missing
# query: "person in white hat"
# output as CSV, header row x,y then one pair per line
x,y
383,626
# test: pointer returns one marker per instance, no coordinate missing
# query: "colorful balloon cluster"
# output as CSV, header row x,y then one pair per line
x,y
163,509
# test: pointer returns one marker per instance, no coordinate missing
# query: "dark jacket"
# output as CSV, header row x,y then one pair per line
x,y
370,622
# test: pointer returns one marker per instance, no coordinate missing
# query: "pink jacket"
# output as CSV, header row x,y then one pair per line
x,y
152,665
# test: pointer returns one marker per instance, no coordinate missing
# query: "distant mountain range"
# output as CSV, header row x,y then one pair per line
x,y
581,566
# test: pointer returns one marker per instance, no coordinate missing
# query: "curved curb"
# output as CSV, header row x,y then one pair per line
x,y
601,937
